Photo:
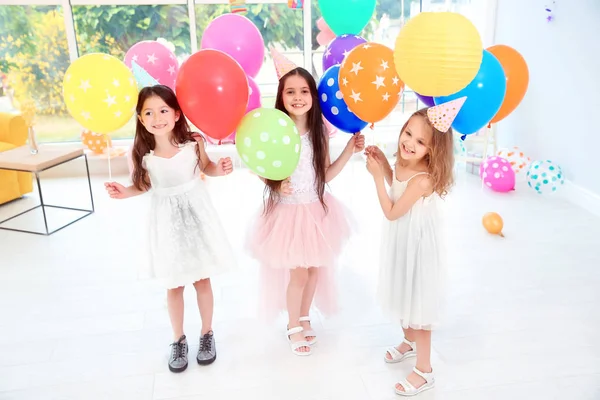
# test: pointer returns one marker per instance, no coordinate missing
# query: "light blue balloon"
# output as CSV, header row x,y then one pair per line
x,y
485,95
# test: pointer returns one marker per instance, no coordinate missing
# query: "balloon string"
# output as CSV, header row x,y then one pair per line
x,y
108,152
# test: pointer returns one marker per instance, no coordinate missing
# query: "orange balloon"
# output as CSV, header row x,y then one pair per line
x,y
369,82
517,78
492,222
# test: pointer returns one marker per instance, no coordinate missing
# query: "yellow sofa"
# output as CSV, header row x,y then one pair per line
x,y
13,133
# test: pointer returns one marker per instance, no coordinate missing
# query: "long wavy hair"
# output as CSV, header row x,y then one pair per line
x,y
440,155
317,137
144,141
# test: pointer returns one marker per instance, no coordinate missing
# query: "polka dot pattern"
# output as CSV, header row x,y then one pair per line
x,y
442,116
96,142
517,159
497,175
545,176
268,143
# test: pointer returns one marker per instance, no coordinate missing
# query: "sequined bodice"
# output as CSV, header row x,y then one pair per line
x,y
303,178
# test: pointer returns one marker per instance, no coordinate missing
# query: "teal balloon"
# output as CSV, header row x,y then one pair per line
x,y
485,95
268,142
347,17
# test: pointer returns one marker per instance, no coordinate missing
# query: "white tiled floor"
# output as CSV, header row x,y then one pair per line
x,y
77,321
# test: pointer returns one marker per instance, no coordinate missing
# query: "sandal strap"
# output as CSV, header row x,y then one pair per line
x,y
407,386
394,352
428,376
412,345
304,319
292,331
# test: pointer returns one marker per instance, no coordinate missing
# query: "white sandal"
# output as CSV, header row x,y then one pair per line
x,y
397,356
309,333
295,346
410,390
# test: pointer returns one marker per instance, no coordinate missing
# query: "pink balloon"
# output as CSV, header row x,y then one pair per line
x,y
329,129
325,35
238,37
254,100
497,174
156,59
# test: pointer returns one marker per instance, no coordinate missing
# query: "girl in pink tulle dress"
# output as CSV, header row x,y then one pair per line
x,y
302,228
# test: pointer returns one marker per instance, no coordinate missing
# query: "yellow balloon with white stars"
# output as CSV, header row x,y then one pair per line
x,y
100,92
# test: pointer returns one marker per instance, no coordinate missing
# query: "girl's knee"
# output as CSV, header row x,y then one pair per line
x,y
176,291
299,276
202,284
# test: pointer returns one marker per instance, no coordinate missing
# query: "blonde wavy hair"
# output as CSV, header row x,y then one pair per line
x,y
439,158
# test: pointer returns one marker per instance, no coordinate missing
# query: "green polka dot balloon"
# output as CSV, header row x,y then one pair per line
x,y
545,176
268,142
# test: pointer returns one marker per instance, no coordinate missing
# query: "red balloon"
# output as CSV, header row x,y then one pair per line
x,y
212,90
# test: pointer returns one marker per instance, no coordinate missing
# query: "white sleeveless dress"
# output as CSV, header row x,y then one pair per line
x,y
187,242
413,262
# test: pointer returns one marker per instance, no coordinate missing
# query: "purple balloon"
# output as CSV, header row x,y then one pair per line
x,y
427,100
339,47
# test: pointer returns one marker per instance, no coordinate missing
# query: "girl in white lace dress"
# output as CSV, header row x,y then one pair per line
x,y
412,257
187,241
303,228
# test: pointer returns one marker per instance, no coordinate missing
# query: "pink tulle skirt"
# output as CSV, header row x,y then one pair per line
x,y
299,236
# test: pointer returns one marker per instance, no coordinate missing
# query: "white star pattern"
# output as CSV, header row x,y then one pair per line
x,y
395,80
134,58
386,96
327,53
345,53
72,98
384,65
152,58
356,97
171,69
344,36
86,115
118,114
116,83
127,99
356,67
171,56
367,46
68,77
379,81
85,85
131,81
110,100
344,81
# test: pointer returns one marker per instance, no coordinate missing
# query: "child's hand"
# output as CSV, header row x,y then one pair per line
x,y
116,190
225,166
286,187
374,167
357,143
376,153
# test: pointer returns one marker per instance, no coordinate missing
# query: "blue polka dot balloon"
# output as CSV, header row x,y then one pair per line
x,y
545,176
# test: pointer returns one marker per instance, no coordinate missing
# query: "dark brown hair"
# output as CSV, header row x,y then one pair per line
x,y
317,138
144,141
439,158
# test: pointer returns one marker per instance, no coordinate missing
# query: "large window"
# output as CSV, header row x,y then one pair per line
x,y
113,29
34,56
37,43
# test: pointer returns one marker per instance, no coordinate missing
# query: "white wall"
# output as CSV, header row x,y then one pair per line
x,y
559,118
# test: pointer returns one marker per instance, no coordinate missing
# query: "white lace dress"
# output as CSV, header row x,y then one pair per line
x,y
413,262
186,239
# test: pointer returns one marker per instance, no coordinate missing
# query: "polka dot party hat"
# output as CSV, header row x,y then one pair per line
x,y
282,64
442,115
